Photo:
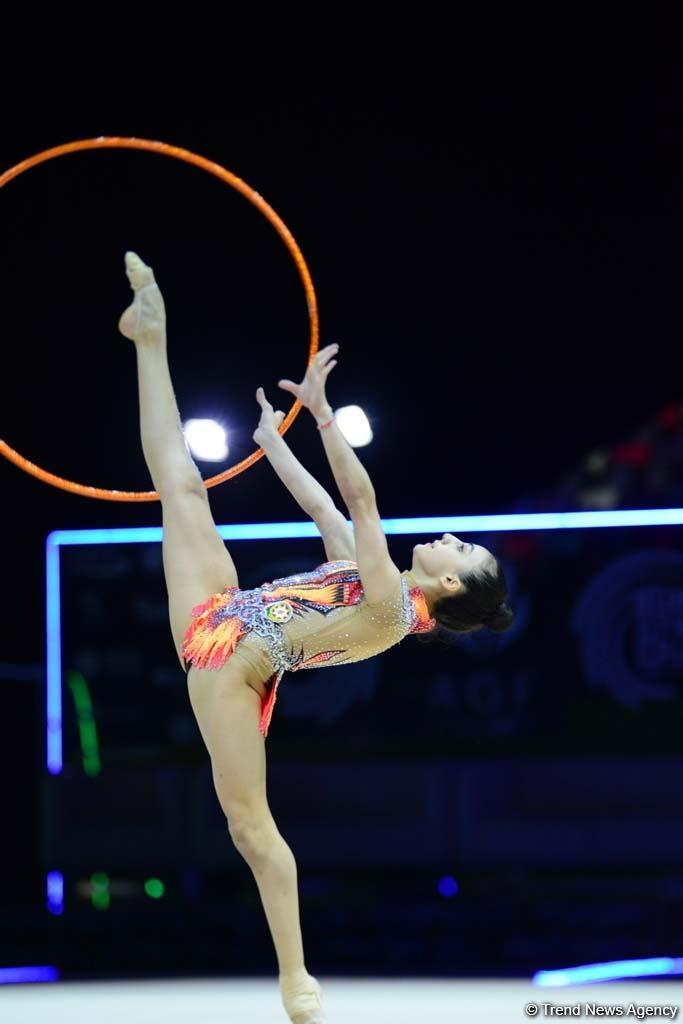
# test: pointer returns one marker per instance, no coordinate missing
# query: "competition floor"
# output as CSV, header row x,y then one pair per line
x,y
347,1001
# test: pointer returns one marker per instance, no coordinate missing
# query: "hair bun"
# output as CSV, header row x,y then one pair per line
x,y
500,619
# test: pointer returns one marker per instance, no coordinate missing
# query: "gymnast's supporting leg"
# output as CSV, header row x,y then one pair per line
x,y
238,766
196,564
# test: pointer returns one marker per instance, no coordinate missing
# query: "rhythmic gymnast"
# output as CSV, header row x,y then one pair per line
x,y
235,644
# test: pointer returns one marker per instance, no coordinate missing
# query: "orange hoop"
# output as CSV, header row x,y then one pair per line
x,y
112,142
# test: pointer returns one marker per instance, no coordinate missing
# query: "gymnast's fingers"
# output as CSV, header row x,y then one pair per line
x,y
326,352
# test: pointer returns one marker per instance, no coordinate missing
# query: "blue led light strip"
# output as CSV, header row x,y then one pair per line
x,y
285,531
20,975
661,965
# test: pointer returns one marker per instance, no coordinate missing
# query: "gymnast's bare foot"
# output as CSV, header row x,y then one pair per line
x,y
145,319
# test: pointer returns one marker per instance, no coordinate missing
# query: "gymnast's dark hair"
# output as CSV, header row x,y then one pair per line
x,y
483,603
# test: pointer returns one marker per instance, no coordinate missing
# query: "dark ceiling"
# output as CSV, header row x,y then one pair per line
x,y
495,251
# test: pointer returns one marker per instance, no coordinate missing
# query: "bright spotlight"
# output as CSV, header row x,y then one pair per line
x,y
354,425
206,440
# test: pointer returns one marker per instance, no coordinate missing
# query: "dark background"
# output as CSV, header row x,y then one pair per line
x,y
493,232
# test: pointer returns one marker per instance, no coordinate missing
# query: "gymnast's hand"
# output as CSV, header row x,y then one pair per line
x,y
311,391
269,421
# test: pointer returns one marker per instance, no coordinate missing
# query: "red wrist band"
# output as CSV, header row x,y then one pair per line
x,y
321,426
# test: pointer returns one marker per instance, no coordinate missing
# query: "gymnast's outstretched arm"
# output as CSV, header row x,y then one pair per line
x,y
381,579
349,472
312,497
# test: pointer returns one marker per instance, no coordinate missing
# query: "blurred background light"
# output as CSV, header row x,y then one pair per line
x,y
21,975
448,886
55,892
155,888
206,440
354,425
609,971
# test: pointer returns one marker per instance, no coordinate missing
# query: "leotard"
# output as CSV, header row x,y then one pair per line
x,y
307,620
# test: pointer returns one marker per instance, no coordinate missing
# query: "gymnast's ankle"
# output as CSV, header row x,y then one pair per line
x,y
301,996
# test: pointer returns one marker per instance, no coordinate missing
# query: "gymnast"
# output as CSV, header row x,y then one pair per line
x,y
236,644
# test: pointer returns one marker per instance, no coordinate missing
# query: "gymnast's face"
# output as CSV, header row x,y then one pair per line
x,y
450,557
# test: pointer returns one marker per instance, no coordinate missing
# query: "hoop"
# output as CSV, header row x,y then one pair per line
x,y
113,142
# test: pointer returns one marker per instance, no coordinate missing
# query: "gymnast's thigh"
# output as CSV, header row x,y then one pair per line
x,y
228,710
197,563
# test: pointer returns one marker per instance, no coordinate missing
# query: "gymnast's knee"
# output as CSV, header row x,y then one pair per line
x,y
254,834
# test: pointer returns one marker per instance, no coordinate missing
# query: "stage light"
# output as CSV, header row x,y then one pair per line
x,y
206,440
354,425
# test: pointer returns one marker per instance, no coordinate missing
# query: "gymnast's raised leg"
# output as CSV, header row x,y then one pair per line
x,y
226,705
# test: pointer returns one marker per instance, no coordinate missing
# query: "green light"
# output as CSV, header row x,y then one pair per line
x,y
99,890
155,888
86,723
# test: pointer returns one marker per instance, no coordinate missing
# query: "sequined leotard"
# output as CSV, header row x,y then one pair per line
x,y
307,620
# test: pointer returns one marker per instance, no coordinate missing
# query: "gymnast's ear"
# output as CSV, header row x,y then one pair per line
x,y
452,584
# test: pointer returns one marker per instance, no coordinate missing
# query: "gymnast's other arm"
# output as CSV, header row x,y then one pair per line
x,y
311,496
381,579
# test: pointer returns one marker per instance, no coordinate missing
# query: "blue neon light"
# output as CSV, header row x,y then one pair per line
x,y
16,975
448,886
419,524
285,531
609,971
55,892
54,661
